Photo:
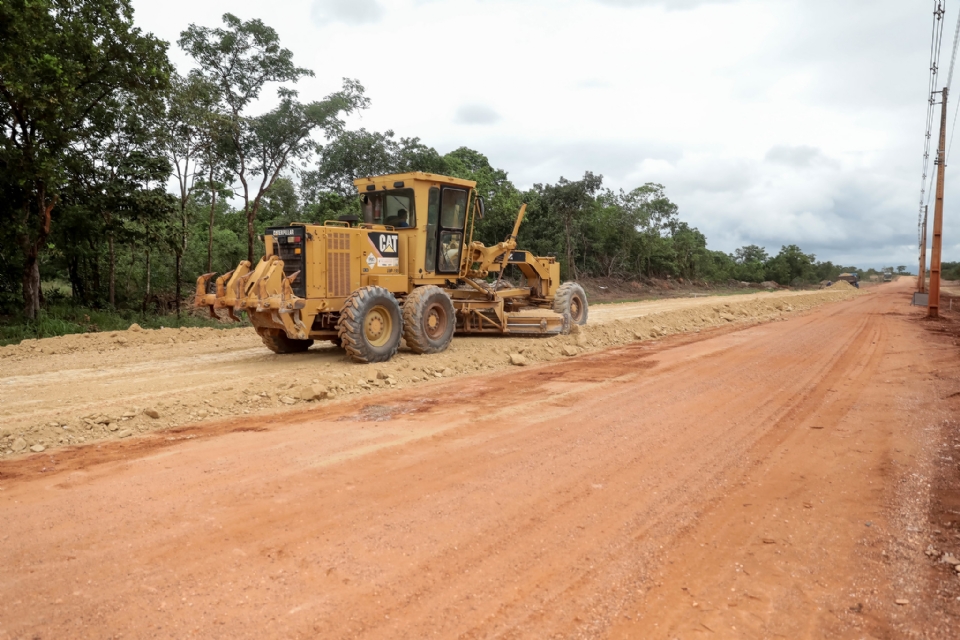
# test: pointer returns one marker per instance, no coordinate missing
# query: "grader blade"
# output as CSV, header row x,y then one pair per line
x,y
222,302
204,299
536,322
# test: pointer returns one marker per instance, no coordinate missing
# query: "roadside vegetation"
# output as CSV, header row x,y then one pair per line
x,y
123,179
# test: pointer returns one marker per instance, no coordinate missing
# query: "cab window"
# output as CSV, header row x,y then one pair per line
x,y
396,208
453,211
450,245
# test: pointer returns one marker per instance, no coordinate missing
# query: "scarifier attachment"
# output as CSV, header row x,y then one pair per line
x,y
204,299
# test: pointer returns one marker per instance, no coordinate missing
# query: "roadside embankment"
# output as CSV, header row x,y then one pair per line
x,y
78,389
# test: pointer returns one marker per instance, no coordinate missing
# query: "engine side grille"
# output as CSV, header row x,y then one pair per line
x,y
338,264
289,246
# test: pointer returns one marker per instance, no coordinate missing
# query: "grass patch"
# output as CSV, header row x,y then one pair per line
x,y
685,294
64,319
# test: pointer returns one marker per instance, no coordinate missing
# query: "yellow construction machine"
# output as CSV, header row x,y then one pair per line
x,y
408,269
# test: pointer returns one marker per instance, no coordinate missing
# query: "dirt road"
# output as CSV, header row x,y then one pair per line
x,y
757,481
92,387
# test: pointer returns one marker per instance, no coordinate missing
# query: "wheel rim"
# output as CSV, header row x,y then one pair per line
x,y
435,321
576,308
378,326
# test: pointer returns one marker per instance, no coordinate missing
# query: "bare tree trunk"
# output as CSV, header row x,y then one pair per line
x,y
148,271
180,252
94,262
113,271
567,232
32,295
250,215
179,271
31,286
213,206
133,263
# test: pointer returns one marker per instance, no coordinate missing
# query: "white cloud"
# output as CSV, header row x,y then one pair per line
x,y
476,114
670,5
796,156
796,121
354,12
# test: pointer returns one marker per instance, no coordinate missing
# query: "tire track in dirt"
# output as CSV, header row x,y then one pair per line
x,y
531,502
93,387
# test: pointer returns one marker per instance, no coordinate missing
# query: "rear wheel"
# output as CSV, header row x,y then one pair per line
x,y
428,320
571,300
370,325
278,342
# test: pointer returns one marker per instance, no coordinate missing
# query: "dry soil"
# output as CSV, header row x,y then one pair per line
x,y
790,479
91,387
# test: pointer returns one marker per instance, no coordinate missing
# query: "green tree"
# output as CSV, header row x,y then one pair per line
x,y
569,202
61,64
690,248
791,266
750,263
196,128
651,252
240,59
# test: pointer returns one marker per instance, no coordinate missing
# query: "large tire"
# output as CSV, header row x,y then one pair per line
x,y
370,325
429,320
571,301
278,342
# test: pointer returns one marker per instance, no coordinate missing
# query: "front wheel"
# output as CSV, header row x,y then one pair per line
x,y
370,325
571,300
428,320
278,342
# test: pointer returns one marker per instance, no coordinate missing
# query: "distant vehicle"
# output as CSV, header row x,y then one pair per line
x,y
888,277
852,278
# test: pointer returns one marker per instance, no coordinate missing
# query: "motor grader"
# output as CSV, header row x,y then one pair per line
x,y
409,268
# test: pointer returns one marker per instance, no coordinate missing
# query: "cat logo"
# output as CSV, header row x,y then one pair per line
x,y
385,245
386,248
388,243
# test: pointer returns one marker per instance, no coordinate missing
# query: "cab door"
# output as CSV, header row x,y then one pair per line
x,y
452,218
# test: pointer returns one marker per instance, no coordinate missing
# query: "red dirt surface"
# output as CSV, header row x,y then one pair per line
x,y
769,481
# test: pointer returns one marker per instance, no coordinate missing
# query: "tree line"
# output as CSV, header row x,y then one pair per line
x,y
122,179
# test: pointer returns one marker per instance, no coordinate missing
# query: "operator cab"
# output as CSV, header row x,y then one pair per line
x,y
433,208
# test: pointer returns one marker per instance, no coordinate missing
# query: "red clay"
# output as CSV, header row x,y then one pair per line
x,y
740,484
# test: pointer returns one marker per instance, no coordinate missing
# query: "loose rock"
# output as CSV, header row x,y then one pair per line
x,y
153,413
518,360
313,392
37,448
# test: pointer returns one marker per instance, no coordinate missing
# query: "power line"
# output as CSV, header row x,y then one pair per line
x,y
953,55
936,40
953,60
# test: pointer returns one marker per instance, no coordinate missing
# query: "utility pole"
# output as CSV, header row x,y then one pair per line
x,y
922,280
933,306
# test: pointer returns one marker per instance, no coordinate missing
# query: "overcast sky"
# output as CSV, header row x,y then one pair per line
x,y
770,123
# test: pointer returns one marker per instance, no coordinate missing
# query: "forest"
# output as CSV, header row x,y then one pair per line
x,y
123,178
